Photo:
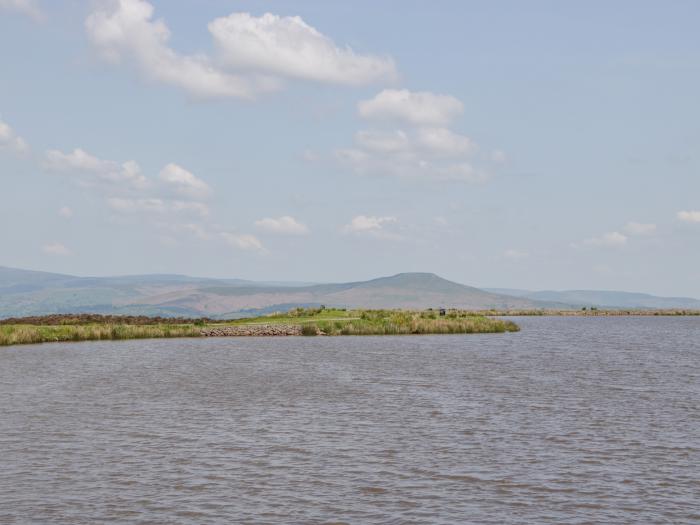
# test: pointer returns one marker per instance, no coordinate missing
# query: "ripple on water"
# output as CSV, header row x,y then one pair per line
x,y
570,420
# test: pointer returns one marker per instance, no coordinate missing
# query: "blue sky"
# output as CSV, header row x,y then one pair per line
x,y
542,145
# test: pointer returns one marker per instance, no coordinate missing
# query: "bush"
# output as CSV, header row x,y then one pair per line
x,y
309,329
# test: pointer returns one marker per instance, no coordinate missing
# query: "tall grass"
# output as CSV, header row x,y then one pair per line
x,y
404,323
327,322
27,334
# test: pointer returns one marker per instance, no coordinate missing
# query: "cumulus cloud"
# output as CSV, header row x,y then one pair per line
x,y
242,241
10,140
93,170
285,225
289,47
420,108
688,216
56,248
183,182
443,142
424,147
638,228
214,233
125,30
372,226
254,53
364,223
611,239
25,7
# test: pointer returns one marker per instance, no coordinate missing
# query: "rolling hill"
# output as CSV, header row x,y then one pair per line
x,y
24,292
603,298
36,293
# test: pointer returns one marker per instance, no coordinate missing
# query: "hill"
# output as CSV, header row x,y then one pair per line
x,y
25,293
603,299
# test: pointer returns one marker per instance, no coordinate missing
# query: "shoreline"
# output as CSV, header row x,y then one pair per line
x,y
299,322
629,312
295,323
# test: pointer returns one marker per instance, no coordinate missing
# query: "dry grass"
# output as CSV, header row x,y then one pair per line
x,y
27,334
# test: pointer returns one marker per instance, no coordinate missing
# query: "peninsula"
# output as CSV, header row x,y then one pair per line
x,y
296,322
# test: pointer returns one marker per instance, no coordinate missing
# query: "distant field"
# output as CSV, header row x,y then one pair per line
x,y
317,321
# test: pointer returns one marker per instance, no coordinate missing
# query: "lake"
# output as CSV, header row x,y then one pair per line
x,y
571,420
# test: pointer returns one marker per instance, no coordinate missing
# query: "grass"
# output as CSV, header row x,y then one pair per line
x,y
319,321
26,333
390,322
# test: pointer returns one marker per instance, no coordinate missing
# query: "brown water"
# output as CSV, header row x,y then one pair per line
x,y
572,420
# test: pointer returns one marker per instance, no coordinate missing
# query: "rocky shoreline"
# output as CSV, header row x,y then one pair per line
x,y
252,330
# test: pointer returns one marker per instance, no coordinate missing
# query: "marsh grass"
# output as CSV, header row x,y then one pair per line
x,y
312,322
27,334
384,322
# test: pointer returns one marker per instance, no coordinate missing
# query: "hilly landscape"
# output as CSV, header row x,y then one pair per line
x,y
24,293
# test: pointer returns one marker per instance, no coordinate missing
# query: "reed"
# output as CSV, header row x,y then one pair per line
x,y
405,323
28,334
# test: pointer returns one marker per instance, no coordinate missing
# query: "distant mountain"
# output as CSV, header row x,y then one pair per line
x,y
605,299
36,293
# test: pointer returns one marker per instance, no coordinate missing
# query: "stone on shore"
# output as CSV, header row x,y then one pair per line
x,y
252,330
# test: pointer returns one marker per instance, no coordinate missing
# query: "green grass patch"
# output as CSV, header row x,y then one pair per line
x,y
27,334
315,321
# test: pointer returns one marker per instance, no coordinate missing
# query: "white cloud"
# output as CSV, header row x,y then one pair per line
x,y
289,47
515,254
65,212
10,140
423,148
125,175
56,248
363,223
285,225
638,228
611,239
243,241
420,108
213,233
126,31
688,216
25,7
443,142
183,182
254,53
373,226
383,141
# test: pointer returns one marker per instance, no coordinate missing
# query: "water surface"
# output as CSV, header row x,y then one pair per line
x,y
572,420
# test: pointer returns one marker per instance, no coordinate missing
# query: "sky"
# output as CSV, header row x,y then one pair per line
x,y
537,145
